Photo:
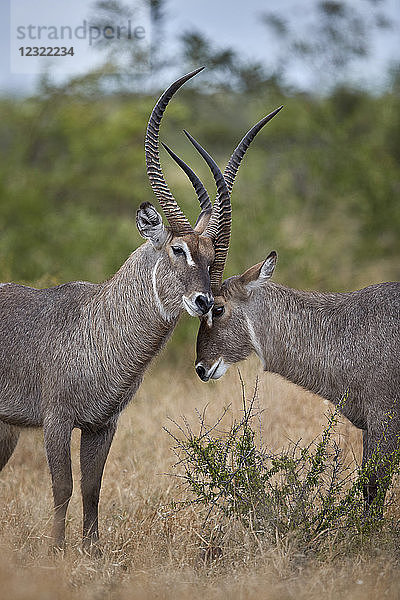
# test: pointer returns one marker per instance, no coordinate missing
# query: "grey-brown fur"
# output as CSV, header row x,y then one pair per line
x,y
74,355
329,344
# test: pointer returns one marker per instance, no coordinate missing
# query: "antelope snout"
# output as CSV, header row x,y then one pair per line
x,y
201,372
198,304
217,369
204,303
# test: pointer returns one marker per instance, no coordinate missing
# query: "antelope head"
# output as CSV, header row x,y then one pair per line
x,y
226,335
185,254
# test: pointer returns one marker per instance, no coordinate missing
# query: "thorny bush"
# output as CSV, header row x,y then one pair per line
x,y
307,492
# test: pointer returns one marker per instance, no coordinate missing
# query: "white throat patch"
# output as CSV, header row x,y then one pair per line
x,y
164,314
255,343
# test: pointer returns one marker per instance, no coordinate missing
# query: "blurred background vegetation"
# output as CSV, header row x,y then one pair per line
x,y
320,184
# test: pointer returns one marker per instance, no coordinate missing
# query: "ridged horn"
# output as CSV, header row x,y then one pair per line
x,y
234,162
201,192
230,172
173,213
221,232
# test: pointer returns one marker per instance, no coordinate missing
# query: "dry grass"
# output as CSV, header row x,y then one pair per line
x,y
149,552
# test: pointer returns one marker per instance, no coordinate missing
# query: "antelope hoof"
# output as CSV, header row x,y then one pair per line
x,y
91,548
57,549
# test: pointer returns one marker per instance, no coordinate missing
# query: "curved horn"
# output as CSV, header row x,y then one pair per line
x,y
221,232
233,165
173,213
230,173
234,162
201,192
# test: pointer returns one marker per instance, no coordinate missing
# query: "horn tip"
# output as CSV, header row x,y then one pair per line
x,y
170,152
275,112
195,72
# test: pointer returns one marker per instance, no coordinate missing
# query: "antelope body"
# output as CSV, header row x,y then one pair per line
x,y
74,355
329,344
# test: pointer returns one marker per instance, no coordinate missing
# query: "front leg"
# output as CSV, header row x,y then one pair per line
x,y
95,446
57,438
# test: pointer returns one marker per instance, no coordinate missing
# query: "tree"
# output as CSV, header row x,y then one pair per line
x,y
225,68
327,41
132,61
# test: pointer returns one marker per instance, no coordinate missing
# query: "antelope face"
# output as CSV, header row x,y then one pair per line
x,y
227,336
190,257
223,337
180,276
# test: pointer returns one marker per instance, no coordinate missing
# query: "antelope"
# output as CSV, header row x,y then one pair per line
x,y
73,356
328,343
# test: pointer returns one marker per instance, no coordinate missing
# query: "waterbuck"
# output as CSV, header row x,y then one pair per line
x,y
72,356
327,343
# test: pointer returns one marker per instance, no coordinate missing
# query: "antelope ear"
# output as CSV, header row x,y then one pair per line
x,y
268,266
202,221
260,272
150,225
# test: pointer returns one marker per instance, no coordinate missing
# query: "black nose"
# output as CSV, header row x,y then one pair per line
x,y
201,372
204,303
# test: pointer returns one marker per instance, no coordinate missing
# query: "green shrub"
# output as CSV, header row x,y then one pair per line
x,y
305,492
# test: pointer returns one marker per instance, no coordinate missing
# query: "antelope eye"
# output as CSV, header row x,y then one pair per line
x,y
218,311
177,250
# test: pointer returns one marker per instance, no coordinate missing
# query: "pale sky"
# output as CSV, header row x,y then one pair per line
x,y
225,22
